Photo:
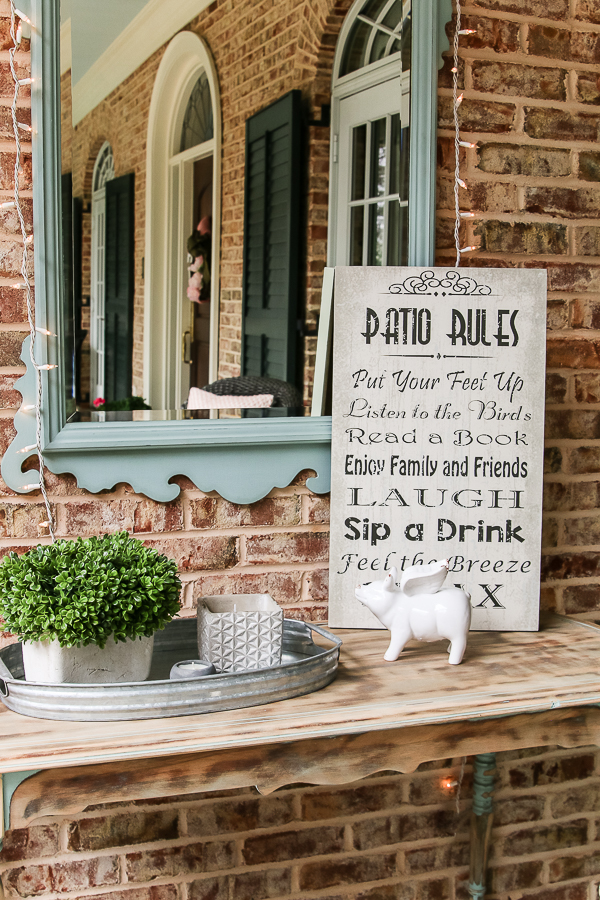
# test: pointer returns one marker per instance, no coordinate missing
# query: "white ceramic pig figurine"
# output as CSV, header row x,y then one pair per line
x,y
419,607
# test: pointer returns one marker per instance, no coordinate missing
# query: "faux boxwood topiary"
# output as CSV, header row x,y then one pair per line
x,y
80,592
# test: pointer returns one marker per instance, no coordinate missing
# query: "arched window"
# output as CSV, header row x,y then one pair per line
x,y
381,29
370,147
104,171
198,117
181,321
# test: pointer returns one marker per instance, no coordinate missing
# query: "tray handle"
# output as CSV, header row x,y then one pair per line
x,y
326,634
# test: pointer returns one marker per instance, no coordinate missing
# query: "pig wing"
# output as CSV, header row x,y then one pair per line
x,y
423,579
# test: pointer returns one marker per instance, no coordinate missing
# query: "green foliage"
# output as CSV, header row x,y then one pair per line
x,y
81,592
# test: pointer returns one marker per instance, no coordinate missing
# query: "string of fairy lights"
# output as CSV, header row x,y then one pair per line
x,y
459,183
17,18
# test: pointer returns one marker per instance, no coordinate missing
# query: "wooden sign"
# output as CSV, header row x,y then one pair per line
x,y
437,445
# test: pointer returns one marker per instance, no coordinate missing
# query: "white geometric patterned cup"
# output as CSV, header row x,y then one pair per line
x,y
240,631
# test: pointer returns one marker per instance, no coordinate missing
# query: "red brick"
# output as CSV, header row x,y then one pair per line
x,y
499,35
561,125
568,892
571,496
150,892
260,885
75,875
584,461
11,343
169,861
510,80
481,116
556,388
517,809
543,839
434,889
515,876
364,798
240,815
552,9
589,165
563,202
378,832
327,873
209,889
29,843
588,88
284,587
576,799
522,237
440,856
157,517
517,159
13,308
552,460
581,598
291,547
588,11
556,43
553,771
121,830
570,565
581,532
581,425
292,845
197,554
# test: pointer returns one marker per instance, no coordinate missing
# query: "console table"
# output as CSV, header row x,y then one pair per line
x,y
513,690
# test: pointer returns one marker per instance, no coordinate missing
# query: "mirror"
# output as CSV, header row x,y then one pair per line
x,y
159,325
265,294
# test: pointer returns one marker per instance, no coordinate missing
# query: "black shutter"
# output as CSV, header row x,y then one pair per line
x,y
118,323
272,240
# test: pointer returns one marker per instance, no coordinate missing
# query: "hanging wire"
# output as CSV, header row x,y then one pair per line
x,y
458,183
16,36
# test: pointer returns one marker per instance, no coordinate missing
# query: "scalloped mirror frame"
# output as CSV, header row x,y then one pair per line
x,y
242,460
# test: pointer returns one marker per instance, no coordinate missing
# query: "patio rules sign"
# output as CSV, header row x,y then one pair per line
x,y
437,445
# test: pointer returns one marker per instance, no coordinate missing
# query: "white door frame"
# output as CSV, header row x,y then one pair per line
x,y
184,59
97,272
370,76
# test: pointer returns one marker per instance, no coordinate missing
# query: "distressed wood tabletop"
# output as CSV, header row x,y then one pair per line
x,y
513,690
503,674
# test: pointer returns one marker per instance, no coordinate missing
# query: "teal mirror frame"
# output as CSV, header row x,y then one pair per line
x,y
242,460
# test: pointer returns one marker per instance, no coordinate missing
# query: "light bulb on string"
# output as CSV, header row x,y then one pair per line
x,y
467,215
22,16
17,33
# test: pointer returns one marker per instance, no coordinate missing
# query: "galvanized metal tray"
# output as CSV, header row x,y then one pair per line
x,y
305,667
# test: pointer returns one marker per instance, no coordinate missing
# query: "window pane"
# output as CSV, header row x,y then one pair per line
x,y
406,43
357,220
379,46
404,162
403,229
359,144
378,158
393,15
393,241
395,154
372,8
354,51
376,224
198,119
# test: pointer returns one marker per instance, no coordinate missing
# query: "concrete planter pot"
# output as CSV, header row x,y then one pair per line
x,y
46,662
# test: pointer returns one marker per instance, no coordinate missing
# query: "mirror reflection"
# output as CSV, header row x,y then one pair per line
x,y
148,217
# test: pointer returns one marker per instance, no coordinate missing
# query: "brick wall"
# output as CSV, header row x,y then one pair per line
x,y
390,837
531,102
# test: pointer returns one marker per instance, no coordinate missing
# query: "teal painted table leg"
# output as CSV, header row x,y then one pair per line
x,y
484,769
8,785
